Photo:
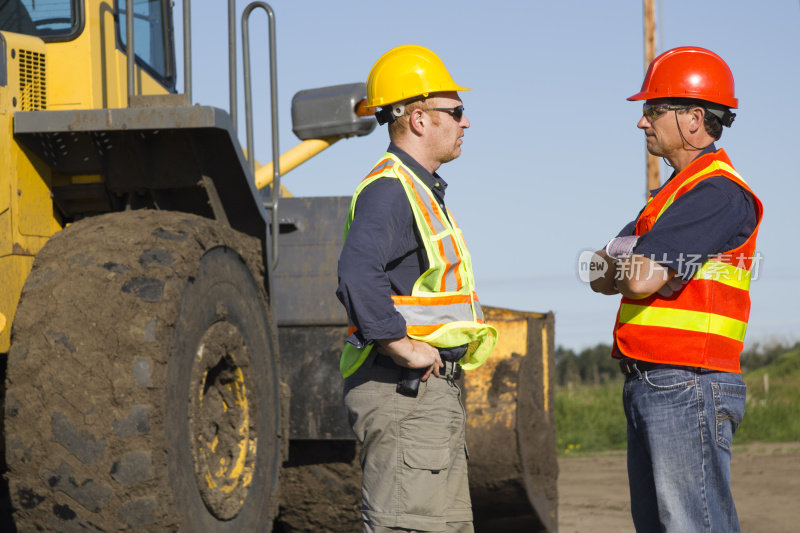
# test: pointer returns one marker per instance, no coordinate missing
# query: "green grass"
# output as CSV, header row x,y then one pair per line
x,y
589,418
773,404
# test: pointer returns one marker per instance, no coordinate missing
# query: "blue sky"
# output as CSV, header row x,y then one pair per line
x,y
553,163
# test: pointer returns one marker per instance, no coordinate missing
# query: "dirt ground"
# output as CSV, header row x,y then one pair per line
x,y
593,490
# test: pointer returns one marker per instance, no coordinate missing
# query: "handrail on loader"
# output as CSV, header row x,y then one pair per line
x,y
320,117
272,203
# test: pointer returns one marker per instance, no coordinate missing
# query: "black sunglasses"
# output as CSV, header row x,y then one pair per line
x,y
653,111
456,112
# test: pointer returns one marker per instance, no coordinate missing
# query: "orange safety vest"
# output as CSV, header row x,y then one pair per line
x,y
443,308
704,323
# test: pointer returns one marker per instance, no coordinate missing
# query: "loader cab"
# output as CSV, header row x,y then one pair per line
x,y
81,50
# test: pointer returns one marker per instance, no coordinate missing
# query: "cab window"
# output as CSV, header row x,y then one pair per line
x,y
152,37
42,18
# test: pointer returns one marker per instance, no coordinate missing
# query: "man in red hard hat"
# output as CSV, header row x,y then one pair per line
x,y
683,267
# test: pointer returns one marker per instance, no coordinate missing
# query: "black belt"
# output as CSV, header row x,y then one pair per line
x,y
385,361
631,366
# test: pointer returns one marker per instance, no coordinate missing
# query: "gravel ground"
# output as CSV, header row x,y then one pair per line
x,y
593,490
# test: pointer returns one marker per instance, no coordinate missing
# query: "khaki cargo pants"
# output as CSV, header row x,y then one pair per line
x,y
413,452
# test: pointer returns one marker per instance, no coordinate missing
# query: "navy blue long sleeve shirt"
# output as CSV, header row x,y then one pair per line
x,y
715,216
383,254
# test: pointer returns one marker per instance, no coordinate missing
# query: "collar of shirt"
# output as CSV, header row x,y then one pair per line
x,y
433,181
707,150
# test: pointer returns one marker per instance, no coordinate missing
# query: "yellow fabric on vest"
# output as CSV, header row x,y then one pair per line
x,y
480,337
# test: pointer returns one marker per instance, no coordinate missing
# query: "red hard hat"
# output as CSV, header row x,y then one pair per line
x,y
689,72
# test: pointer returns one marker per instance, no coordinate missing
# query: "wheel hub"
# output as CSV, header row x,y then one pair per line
x,y
222,421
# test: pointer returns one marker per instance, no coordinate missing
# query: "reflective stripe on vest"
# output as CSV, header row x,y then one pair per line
x,y
419,311
645,315
445,241
443,308
704,324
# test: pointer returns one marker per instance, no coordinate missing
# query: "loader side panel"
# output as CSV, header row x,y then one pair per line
x,y
27,218
312,324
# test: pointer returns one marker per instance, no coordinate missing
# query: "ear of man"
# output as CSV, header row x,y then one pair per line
x,y
417,121
697,120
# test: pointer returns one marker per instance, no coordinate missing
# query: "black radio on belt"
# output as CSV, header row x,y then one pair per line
x,y
408,385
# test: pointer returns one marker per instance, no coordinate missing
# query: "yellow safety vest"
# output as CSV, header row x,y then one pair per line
x,y
443,308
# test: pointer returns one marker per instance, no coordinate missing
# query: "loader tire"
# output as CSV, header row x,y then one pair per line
x,y
142,389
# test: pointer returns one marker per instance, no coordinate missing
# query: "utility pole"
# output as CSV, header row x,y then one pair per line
x,y
653,172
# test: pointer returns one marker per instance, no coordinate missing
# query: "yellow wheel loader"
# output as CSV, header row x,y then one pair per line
x,y
162,369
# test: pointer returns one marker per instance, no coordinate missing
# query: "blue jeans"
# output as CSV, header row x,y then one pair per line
x,y
680,428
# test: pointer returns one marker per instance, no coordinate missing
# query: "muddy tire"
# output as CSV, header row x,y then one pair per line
x,y
141,391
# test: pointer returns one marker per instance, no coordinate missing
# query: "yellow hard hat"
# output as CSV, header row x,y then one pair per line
x,y
405,72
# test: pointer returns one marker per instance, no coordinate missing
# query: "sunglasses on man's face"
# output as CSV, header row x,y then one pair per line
x,y
455,112
653,111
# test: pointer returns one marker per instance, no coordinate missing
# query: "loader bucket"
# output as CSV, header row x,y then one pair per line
x,y
511,427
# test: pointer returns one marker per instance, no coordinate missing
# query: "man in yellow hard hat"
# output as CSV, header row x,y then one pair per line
x,y
405,279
